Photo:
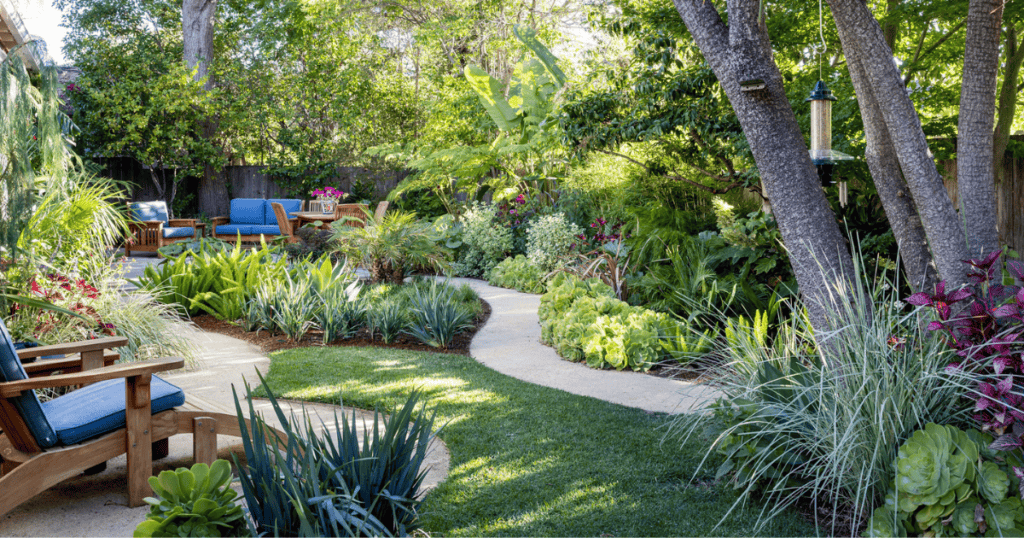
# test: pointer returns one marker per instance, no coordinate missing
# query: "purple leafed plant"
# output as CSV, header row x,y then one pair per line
x,y
986,332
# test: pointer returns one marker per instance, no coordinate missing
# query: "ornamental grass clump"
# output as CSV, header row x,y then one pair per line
x,y
818,417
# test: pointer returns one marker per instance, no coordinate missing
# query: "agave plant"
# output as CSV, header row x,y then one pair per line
x,y
311,483
342,314
388,320
436,315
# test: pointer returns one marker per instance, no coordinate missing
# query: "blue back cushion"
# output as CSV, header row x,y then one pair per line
x,y
248,211
290,206
27,404
149,211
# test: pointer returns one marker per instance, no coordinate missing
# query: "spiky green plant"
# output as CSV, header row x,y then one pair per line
x,y
388,320
435,316
343,312
314,484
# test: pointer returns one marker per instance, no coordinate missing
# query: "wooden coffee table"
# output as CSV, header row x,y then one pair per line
x,y
306,217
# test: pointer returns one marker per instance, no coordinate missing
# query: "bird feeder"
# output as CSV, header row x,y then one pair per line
x,y
822,154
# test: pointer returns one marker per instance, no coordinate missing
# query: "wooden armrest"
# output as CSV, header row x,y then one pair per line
x,y
73,347
217,221
132,369
66,365
182,223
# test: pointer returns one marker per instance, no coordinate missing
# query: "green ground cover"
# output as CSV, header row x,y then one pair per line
x,y
529,460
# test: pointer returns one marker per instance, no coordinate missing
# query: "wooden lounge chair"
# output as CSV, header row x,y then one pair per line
x,y
121,409
152,228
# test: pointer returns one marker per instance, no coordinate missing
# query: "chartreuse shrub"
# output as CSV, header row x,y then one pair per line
x,y
949,483
314,483
549,239
818,416
518,273
194,502
583,321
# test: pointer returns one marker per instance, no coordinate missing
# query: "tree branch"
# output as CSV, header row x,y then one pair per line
x,y
941,40
712,190
718,156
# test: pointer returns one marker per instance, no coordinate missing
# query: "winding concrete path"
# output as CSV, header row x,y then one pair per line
x,y
510,343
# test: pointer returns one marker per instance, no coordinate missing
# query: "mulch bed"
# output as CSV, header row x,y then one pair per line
x,y
275,342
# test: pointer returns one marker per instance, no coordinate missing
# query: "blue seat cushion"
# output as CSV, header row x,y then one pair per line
x,y
234,229
265,230
249,211
290,207
149,211
27,404
179,232
99,408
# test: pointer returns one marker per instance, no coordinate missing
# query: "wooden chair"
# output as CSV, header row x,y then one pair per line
x,y
122,409
358,211
152,228
286,225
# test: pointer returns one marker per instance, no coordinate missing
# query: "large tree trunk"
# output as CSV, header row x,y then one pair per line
x,y
862,38
974,147
1007,99
892,189
741,51
197,26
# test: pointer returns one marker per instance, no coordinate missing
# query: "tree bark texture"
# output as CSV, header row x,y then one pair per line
x,y
1007,106
741,51
892,188
862,38
197,17
974,146
197,28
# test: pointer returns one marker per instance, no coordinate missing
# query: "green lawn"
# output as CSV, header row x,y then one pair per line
x,y
529,460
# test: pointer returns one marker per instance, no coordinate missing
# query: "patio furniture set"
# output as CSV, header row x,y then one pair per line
x,y
249,220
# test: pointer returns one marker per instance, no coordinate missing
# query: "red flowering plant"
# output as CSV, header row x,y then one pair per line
x,y
74,297
600,233
516,215
986,332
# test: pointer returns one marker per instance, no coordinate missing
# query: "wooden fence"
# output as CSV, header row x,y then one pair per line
x,y
1009,199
